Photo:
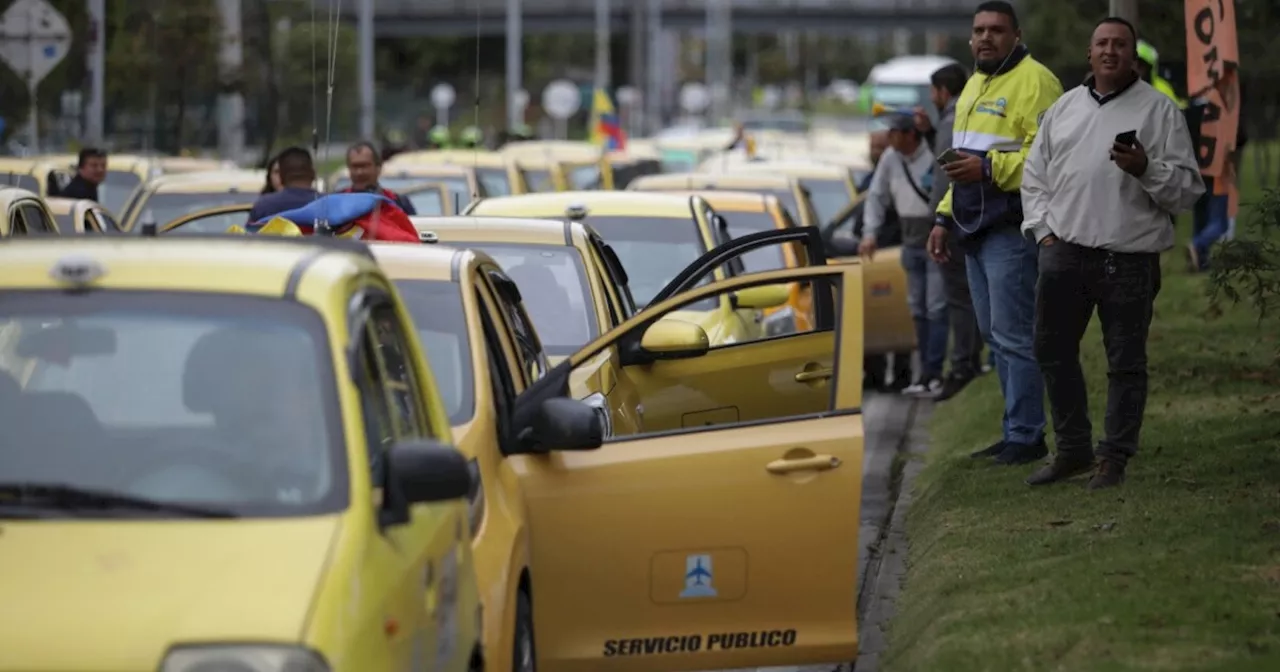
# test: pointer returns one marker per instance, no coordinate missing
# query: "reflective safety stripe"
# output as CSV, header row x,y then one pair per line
x,y
985,142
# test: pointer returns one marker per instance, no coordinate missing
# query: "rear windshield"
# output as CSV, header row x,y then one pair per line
x,y
21,181
164,208
495,180
768,258
441,324
538,180
427,202
66,224
177,397
584,177
829,197
115,190
653,251
554,290
459,190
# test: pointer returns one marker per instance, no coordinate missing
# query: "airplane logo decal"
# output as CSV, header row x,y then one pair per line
x,y
697,577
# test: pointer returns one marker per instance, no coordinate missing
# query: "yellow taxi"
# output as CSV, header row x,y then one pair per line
x,y
78,215
24,213
561,165
831,187
498,173
169,197
541,174
126,174
656,236
192,164
633,162
429,198
598,535
40,176
463,183
788,190
233,456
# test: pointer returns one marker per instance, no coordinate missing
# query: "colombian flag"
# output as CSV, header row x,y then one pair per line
x,y
606,130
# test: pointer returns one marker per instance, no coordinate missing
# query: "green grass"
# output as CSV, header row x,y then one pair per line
x,y
1177,570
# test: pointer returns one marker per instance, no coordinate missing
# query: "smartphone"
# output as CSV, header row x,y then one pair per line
x,y
948,156
1128,138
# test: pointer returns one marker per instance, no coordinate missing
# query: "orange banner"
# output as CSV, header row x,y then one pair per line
x,y
1213,60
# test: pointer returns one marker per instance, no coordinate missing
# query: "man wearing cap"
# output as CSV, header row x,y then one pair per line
x,y
903,181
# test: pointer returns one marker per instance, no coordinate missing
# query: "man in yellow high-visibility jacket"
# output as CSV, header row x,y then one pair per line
x,y
997,117
1148,65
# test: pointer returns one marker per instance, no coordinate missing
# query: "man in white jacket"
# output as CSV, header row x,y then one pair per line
x,y
1101,210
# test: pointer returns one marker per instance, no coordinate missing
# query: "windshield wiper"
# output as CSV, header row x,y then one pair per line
x,y
71,498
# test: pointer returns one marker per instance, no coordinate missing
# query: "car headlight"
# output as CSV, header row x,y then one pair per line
x,y
601,404
243,658
780,323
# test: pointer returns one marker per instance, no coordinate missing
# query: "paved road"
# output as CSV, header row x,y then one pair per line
x,y
891,422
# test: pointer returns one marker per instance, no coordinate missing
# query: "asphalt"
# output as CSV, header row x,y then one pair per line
x,y
893,425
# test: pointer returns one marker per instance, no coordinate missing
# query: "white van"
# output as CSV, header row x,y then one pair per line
x,y
904,81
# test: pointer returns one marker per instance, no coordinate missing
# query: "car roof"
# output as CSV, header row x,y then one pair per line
x,y
456,157
732,181
557,149
208,181
798,169
64,206
732,201
605,203
420,262
9,194
517,230
266,266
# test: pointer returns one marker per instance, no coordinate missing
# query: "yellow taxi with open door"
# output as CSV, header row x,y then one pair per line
x,y
497,172
23,213
75,216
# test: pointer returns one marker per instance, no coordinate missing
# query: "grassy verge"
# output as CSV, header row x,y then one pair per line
x,y
1179,569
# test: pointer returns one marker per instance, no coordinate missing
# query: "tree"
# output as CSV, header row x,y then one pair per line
x,y
1248,268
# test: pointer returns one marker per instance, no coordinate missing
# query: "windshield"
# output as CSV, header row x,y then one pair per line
x,y
427,202
767,258
678,161
900,94
459,190
115,190
178,397
829,197
538,180
653,250
66,224
436,309
553,287
584,177
495,180
165,208
22,182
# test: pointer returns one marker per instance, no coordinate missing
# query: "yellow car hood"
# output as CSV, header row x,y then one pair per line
x,y
114,595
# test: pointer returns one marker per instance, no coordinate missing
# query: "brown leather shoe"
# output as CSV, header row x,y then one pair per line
x,y
1061,468
1110,474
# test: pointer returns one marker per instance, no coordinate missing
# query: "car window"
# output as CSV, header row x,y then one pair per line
x,y
744,223
164,208
829,197
584,176
37,219
66,223
28,182
391,338
228,401
459,190
553,283
533,358
375,407
427,202
17,225
116,188
538,179
436,310
496,181
215,223
653,250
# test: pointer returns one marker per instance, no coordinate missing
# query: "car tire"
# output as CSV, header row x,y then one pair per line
x,y
524,657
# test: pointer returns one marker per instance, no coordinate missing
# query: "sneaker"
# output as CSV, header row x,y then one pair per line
x,y
990,451
930,389
952,386
1022,453
1109,474
1061,468
915,389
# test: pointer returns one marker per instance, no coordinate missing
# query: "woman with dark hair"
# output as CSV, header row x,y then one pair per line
x,y
273,177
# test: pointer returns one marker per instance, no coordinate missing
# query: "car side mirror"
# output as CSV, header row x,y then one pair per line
x,y
764,296
427,471
674,339
561,423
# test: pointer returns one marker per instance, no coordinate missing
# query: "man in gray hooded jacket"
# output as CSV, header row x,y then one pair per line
x,y
1099,201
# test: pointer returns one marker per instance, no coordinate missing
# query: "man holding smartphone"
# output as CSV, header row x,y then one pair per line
x,y
1111,166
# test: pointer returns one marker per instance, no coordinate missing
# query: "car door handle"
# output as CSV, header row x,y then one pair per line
x,y
816,374
815,463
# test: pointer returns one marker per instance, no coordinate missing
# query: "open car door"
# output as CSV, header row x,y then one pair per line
x,y
213,220
722,542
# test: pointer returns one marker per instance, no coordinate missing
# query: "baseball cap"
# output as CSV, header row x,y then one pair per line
x,y
899,122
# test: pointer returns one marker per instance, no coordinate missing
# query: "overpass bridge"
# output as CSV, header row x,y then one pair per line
x,y
416,18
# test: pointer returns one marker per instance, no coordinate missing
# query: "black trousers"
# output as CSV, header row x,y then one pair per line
x,y
966,339
1073,281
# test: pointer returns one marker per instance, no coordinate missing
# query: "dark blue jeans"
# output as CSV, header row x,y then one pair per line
x,y
1002,279
1216,221
927,299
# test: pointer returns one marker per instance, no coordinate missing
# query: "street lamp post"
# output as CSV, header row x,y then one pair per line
x,y
1125,9
602,44
515,66
366,77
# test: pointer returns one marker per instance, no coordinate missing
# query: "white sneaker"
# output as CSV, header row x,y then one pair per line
x,y
929,390
915,389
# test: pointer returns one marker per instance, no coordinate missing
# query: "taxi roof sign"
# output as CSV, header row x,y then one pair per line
x,y
77,270
576,212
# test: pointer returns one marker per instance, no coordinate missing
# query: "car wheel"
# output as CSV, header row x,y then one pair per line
x,y
524,657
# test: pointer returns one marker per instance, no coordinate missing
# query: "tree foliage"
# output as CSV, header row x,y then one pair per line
x,y
1247,269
